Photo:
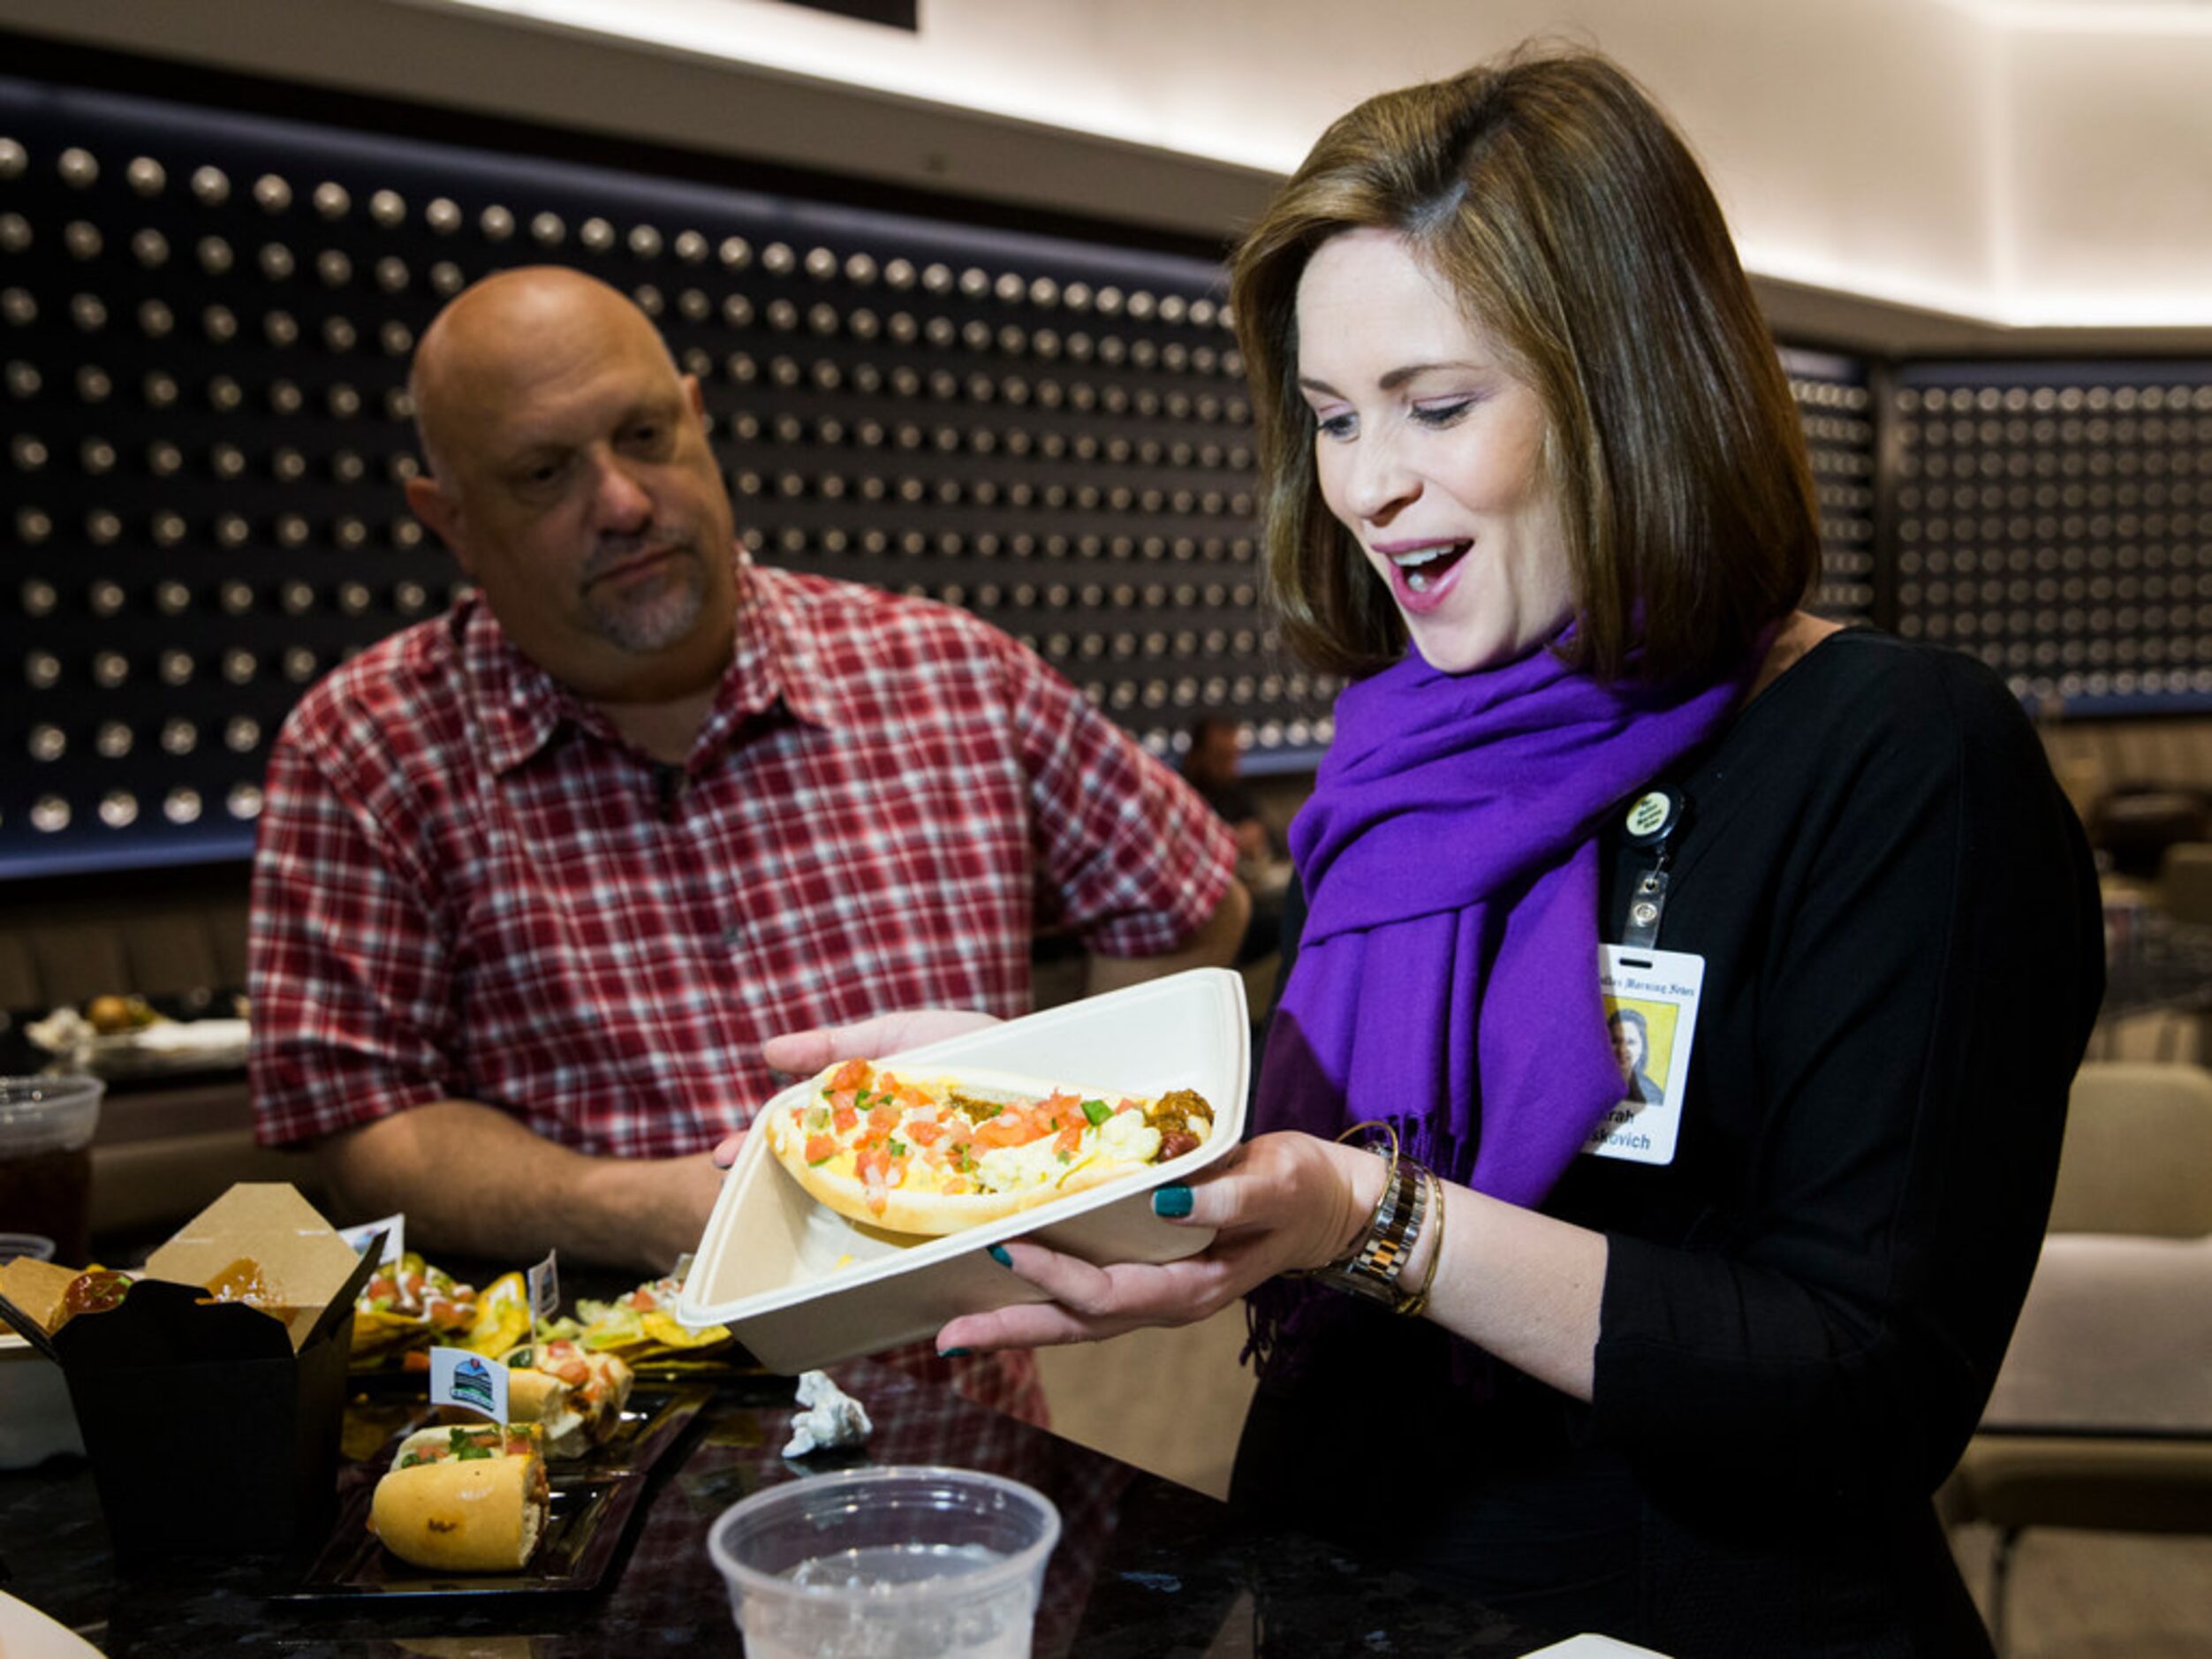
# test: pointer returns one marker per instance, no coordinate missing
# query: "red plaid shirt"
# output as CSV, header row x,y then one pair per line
x,y
470,887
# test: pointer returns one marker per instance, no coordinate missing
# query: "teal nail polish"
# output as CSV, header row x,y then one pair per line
x,y
1171,1200
999,1256
952,1353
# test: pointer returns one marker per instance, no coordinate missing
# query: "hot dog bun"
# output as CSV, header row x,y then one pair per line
x,y
478,1514
479,1517
534,1397
596,1386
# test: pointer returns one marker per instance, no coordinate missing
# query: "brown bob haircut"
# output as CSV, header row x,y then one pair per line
x,y
1576,227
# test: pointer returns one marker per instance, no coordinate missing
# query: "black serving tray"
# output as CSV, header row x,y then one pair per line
x,y
592,1501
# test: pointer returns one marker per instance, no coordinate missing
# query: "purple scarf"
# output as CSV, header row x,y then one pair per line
x,y
1447,979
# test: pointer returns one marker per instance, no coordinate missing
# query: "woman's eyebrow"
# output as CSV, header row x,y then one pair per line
x,y
1397,377
1391,380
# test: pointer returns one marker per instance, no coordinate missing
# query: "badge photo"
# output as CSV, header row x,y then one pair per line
x,y
1650,999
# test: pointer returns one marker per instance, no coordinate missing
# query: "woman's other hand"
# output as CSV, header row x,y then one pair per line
x,y
1279,1203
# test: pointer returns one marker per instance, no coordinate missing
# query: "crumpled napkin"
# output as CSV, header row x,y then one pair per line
x,y
64,1031
831,1417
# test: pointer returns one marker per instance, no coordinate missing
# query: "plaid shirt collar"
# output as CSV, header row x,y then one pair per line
x,y
525,708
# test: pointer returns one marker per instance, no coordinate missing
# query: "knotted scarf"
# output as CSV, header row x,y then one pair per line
x,y
1447,978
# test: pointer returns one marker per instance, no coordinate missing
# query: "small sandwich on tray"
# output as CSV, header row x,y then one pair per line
x,y
574,1396
464,1498
936,1154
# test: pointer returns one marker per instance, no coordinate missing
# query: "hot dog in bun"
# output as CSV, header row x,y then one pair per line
x,y
929,1154
464,1499
574,1395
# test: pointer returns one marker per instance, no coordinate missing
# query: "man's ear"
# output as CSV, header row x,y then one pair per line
x,y
431,503
697,398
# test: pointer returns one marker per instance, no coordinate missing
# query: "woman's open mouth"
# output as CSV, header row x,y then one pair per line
x,y
1420,572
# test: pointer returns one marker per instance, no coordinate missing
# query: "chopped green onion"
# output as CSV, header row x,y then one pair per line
x,y
1097,1110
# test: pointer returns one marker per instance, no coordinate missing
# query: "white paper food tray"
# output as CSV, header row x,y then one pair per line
x,y
768,1264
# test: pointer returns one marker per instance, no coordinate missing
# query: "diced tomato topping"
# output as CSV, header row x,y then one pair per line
x,y
923,1132
1016,1126
843,1119
913,1095
1129,1106
851,1075
872,1161
1070,1138
642,1300
956,1184
883,1119
820,1149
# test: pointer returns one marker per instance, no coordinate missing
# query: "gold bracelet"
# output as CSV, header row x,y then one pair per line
x,y
1390,1174
1414,1306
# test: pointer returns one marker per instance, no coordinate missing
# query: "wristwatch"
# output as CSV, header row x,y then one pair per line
x,y
1372,1268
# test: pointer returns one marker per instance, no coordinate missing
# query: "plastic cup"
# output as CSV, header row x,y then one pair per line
x,y
46,1126
887,1563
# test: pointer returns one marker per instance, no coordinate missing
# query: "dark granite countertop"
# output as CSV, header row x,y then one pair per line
x,y
1145,1569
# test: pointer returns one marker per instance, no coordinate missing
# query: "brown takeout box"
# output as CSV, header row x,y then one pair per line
x,y
213,1427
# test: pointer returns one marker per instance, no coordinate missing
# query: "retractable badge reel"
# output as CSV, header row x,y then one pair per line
x,y
1653,818
1650,997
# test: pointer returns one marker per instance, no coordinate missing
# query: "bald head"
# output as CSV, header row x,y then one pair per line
x,y
496,336
571,474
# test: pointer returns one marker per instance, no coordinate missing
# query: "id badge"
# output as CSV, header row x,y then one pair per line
x,y
1651,1016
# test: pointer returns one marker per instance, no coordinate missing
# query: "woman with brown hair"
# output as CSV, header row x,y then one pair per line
x,y
1534,478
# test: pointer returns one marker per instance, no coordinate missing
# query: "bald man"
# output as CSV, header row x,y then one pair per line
x,y
537,878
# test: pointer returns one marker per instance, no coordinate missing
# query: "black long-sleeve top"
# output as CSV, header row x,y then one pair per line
x,y
1803,1312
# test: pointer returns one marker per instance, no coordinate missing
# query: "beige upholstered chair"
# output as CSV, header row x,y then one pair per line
x,y
2184,882
2102,1414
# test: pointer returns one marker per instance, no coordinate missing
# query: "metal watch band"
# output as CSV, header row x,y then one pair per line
x,y
1372,1270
